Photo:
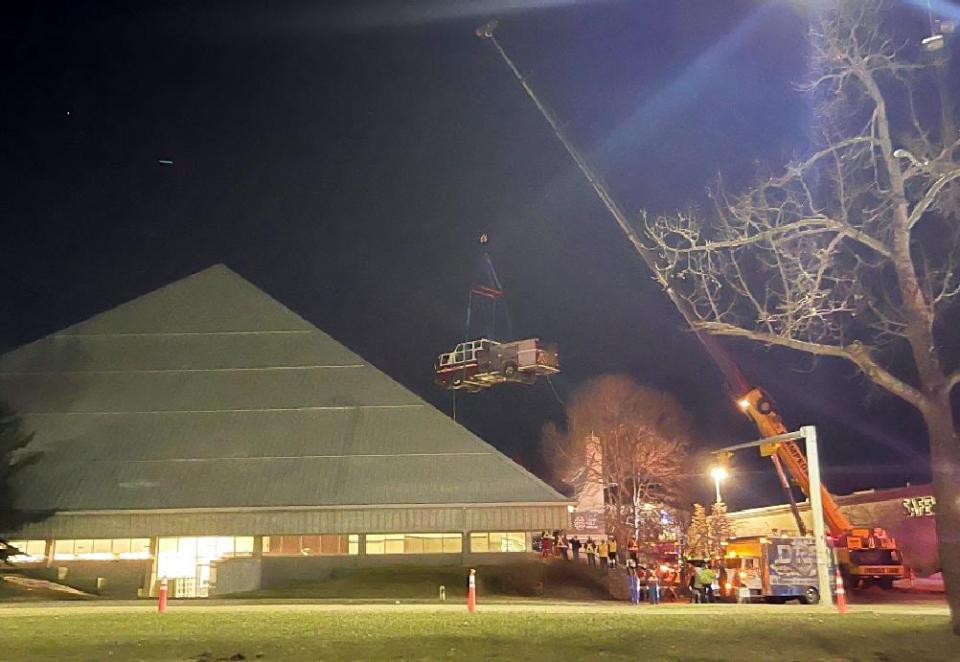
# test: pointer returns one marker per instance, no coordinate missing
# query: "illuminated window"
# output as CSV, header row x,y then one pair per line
x,y
189,559
101,549
414,543
313,545
34,551
495,541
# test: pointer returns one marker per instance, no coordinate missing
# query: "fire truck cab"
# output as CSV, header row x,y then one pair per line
x,y
482,363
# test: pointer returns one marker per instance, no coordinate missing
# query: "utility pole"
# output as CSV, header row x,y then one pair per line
x,y
809,433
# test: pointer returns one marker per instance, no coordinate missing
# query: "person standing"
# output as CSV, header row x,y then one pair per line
x,y
633,584
709,583
696,588
612,552
641,579
564,545
591,550
653,586
603,549
633,550
575,546
546,546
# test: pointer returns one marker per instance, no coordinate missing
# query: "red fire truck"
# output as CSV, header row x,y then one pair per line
x,y
482,363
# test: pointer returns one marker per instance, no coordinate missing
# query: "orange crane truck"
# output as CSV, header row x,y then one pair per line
x,y
865,555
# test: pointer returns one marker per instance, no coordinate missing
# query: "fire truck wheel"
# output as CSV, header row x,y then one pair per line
x,y
510,370
810,597
886,583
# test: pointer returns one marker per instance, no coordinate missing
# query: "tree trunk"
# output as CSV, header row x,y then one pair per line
x,y
945,461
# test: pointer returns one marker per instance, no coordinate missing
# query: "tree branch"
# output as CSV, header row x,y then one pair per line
x,y
930,196
952,381
855,352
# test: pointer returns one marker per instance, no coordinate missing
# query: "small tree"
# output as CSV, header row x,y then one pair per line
x,y
642,436
698,534
720,528
13,440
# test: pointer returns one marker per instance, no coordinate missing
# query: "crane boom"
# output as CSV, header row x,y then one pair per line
x,y
755,405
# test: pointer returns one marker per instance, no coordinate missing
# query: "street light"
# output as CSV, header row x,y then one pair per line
x,y
718,474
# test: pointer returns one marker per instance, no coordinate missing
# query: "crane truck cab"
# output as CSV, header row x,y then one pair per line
x,y
482,363
772,569
869,556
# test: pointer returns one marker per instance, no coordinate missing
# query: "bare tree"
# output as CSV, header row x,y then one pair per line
x,y
852,252
641,436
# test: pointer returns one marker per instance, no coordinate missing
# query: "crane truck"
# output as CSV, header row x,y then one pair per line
x,y
865,555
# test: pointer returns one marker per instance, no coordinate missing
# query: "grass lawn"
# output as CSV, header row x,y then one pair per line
x,y
284,633
563,581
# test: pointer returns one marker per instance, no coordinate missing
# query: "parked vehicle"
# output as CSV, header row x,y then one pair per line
x,y
775,569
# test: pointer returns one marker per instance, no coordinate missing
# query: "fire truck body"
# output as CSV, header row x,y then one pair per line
x,y
482,363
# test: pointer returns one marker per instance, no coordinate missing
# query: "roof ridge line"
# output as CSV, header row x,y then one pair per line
x,y
171,370
267,457
137,334
219,411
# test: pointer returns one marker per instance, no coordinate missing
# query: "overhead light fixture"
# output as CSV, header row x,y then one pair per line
x,y
934,42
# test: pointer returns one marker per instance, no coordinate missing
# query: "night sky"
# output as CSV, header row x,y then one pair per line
x,y
345,157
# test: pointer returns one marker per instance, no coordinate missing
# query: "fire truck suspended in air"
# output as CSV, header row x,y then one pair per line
x,y
474,365
482,363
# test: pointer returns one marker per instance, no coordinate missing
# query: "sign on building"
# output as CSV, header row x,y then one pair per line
x,y
920,506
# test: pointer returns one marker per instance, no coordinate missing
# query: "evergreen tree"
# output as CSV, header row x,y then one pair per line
x,y
698,534
13,440
720,528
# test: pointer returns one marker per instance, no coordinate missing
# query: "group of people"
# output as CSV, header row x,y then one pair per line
x,y
602,553
642,583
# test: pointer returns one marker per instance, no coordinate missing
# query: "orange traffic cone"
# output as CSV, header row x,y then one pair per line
x,y
472,592
841,594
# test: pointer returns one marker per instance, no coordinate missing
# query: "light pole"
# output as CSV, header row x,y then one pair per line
x,y
718,473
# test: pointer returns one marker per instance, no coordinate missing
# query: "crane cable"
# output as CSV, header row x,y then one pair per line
x,y
723,361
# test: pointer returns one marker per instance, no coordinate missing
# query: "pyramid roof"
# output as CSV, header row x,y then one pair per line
x,y
208,393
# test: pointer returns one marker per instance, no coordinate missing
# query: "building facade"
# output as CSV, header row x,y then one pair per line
x,y
907,513
207,434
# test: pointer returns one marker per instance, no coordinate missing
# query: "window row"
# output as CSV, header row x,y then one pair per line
x,y
213,547
216,547
414,543
311,545
101,549
491,541
34,551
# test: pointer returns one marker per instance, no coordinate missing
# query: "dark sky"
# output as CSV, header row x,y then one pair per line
x,y
346,156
